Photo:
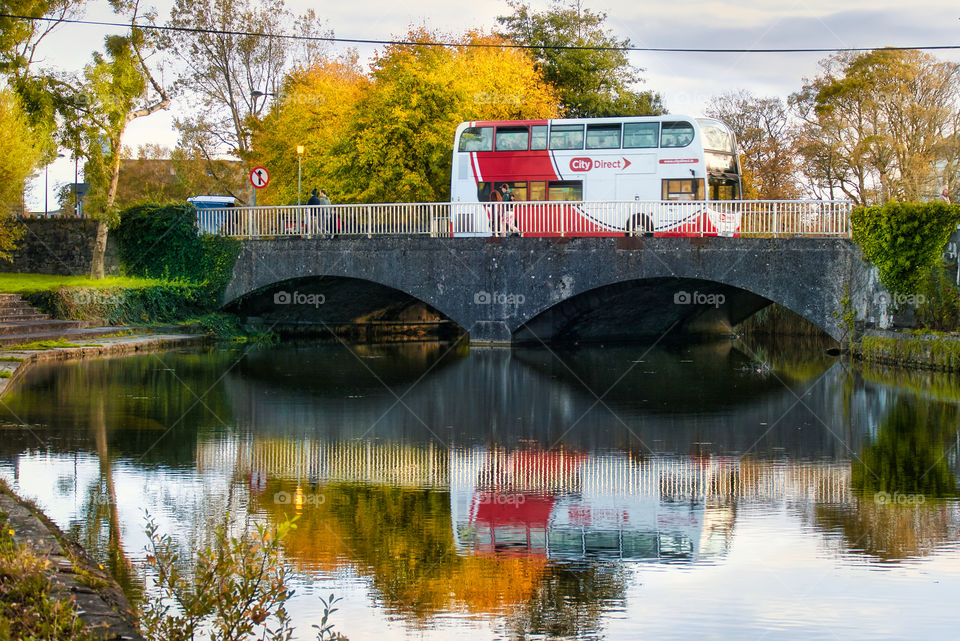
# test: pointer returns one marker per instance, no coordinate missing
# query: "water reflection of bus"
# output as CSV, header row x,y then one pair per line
x,y
572,506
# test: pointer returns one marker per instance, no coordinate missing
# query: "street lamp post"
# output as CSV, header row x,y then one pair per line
x,y
46,186
299,156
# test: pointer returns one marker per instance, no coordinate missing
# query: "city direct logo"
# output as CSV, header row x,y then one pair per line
x,y
586,164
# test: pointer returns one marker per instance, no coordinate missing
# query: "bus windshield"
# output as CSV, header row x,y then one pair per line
x,y
716,136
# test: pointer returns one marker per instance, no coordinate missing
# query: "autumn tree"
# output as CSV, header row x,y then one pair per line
x,y
230,72
881,125
116,88
313,110
398,144
765,141
581,58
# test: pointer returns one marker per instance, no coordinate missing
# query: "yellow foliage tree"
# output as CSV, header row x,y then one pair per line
x,y
313,111
388,137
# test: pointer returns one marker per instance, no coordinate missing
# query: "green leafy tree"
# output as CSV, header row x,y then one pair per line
x,y
21,151
765,139
116,88
592,82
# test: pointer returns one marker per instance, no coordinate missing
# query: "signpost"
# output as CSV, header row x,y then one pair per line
x,y
259,177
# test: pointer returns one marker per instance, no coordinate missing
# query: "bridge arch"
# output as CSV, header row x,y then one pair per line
x,y
335,301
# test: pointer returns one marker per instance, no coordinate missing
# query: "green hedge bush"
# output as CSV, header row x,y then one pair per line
x,y
904,240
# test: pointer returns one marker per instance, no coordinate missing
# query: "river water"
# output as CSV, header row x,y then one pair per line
x,y
711,491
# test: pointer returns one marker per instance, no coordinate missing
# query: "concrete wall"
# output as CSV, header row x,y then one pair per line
x,y
62,246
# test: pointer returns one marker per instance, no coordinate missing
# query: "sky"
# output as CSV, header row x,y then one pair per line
x,y
686,81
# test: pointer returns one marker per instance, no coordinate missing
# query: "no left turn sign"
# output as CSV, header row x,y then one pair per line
x,y
259,177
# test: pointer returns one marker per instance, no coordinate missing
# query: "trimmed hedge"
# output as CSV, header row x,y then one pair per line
x,y
904,240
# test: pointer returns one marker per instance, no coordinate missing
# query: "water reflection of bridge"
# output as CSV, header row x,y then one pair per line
x,y
609,473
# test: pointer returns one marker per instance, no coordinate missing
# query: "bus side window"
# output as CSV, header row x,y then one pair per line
x,y
538,137
676,134
477,139
682,189
566,190
566,137
641,135
538,191
519,190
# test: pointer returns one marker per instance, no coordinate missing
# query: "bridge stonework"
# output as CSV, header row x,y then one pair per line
x,y
539,289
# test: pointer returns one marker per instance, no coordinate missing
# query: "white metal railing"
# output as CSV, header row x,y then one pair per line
x,y
761,218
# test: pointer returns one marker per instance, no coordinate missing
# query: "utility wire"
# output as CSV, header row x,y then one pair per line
x,y
364,41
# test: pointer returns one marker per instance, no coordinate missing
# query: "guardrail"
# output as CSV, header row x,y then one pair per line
x,y
758,218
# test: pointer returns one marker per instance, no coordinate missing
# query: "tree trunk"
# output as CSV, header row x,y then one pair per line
x,y
99,250
103,229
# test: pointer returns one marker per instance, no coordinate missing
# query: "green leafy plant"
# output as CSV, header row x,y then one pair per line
x,y
234,589
939,308
904,240
325,631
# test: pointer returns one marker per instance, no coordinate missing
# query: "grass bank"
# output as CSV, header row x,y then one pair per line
x,y
29,283
928,350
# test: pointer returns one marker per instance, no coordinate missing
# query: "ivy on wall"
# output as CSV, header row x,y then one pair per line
x,y
162,241
904,240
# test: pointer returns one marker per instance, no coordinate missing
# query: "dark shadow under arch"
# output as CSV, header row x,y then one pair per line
x,y
643,309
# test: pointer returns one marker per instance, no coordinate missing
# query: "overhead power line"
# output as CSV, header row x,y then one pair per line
x,y
489,45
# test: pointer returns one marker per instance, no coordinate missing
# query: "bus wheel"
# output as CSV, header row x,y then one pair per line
x,y
640,225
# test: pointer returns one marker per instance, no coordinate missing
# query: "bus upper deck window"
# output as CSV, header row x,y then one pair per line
x,y
676,134
641,135
566,137
477,139
603,136
512,138
538,137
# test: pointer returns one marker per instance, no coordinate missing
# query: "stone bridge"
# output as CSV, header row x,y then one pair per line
x,y
542,289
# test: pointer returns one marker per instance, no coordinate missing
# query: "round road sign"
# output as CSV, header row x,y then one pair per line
x,y
259,177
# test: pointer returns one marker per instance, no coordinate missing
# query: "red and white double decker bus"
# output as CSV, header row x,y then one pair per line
x,y
663,175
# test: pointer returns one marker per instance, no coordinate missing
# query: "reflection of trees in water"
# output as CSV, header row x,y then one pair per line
x,y
102,513
402,538
901,479
890,531
569,601
142,398
909,454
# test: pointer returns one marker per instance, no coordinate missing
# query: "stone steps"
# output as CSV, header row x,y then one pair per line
x,y
71,336
20,322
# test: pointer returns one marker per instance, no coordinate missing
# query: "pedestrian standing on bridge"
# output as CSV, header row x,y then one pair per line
x,y
314,215
330,220
509,219
496,216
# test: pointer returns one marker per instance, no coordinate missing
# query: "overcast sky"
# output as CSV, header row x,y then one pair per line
x,y
686,81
